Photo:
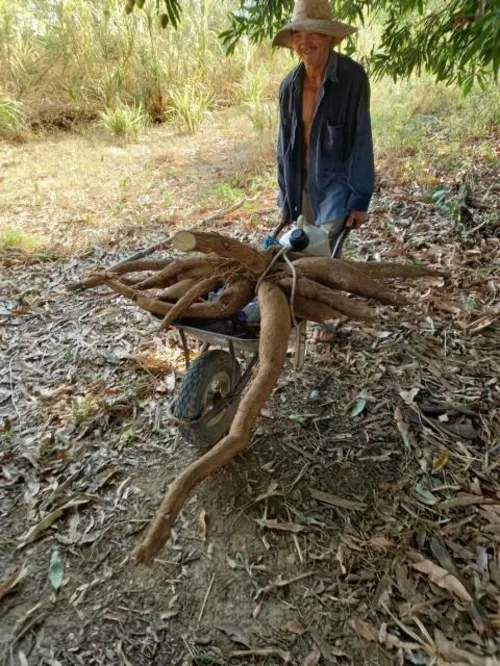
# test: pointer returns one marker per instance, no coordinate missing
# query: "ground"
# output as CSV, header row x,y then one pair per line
x,y
361,526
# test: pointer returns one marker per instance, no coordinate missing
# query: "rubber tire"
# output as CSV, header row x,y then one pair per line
x,y
190,400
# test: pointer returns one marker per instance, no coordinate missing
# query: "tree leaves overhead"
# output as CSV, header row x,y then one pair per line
x,y
458,41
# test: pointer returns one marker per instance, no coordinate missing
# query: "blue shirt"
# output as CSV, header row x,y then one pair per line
x,y
341,166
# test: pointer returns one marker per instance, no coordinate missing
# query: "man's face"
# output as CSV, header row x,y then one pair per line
x,y
312,47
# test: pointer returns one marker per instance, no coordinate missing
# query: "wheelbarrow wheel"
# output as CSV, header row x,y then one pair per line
x,y
208,380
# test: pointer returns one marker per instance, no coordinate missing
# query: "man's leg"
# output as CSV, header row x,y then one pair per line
x,y
307,210
334,229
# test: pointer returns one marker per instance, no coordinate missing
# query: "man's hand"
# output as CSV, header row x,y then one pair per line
x,y
355,219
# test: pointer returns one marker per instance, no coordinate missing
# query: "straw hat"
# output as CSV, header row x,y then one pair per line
x,y
312,16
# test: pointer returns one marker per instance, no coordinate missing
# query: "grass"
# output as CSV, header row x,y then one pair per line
x,y
124,121
190,104
17,239
86,59
94,60
12,118
421,128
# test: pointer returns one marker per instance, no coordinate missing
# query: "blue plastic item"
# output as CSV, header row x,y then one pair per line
x,y
269,241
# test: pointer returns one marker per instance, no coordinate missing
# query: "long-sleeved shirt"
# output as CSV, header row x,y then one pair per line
x,y
341,167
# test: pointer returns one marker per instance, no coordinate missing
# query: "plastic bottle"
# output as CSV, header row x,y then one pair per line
x,y
307,238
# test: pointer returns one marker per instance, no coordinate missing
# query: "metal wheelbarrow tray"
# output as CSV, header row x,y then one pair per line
x,y
214,382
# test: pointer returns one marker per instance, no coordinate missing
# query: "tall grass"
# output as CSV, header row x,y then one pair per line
x,y
12,118
78,57
123,121
419,118
190,102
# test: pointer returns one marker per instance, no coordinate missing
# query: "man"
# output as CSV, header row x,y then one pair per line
x,y
325,150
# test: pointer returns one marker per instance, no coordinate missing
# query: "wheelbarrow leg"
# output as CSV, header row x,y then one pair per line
x,y
300,345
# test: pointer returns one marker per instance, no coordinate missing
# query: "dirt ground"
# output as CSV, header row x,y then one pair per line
x,y
361,526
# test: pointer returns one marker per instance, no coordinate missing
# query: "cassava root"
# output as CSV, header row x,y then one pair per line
x,y
178,288
274,334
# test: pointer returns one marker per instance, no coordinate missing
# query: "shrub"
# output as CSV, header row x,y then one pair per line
x,y
190,103
123,121
12,118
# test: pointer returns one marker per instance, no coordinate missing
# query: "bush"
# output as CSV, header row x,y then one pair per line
x,y
12,118
190,104
123,121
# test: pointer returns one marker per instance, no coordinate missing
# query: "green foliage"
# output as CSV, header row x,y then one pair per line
x,y
420,117
12,118
458,41
17,239
123,121
76,59
190,103
263,113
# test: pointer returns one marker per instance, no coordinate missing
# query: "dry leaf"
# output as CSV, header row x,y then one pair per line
x,y
443,578
21,657
402,427
365,630
11,581
35,532
281,527
409,396
234,633
447,306
380,542
203,525
333,500
451,653
295,627
328,652
54,393
262,652
442,461
312,659
463,500
482,323
340,558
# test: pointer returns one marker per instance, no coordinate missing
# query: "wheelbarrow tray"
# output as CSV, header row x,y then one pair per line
x,y
223,332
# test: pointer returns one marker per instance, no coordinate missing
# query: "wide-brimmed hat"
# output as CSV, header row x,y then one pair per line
x,y
312,16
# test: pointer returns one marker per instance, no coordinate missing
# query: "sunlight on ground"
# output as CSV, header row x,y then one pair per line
x,y
69,191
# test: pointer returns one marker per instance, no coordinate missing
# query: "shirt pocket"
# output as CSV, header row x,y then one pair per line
x,y
333,145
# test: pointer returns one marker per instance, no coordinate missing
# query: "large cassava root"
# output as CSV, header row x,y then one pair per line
x,y
275,330
338,274
253,260
317,294
175,289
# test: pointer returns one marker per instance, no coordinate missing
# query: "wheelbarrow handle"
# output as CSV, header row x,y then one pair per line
x,y
337,248
284,223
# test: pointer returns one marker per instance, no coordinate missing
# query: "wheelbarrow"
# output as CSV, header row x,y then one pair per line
x,y
214,382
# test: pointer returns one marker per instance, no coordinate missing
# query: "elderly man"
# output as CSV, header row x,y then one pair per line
x,y
325,150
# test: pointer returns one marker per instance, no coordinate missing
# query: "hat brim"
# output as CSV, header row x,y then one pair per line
x,y
335,29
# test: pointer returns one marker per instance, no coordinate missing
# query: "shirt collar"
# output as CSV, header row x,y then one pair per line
x,y
330,73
